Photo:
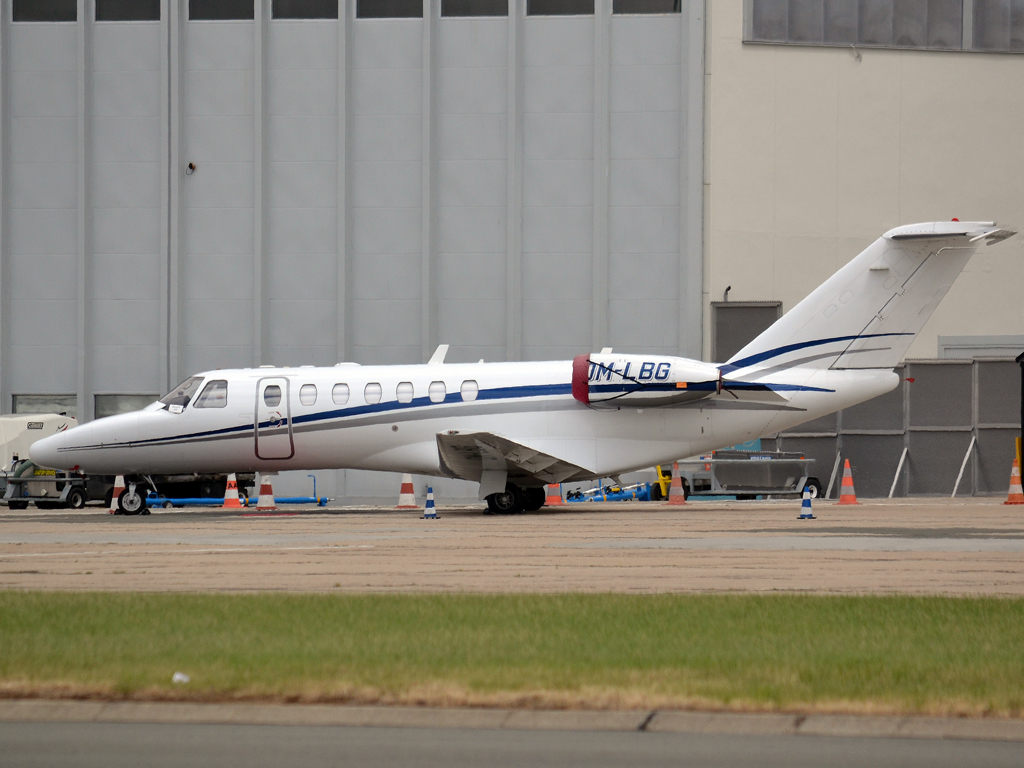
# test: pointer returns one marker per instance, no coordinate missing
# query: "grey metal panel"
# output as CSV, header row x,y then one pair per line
x,y
735,324
934,459
643,326
300,277
882,412
873,460
821,449
639,277
941,394
994,455
998,392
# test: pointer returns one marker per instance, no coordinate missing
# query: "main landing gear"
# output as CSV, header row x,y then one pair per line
x,y
515,500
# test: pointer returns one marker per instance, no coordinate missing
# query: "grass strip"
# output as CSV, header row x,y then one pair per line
x,y
935,655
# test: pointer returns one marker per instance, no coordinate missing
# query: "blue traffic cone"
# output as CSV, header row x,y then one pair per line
x,y
805,506
428,512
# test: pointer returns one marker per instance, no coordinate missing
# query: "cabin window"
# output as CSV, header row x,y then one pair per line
x,y
272,396
307,394
182,394
437,391
214,395
372,393
340,394
470,389
404,392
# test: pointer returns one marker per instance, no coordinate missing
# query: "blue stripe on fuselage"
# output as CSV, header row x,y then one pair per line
x,y
760,357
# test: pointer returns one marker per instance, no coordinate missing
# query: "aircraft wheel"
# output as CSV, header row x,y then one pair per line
x,y
76,499
131,503
533,499
509,502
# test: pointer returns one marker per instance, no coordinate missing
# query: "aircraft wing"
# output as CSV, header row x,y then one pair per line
x,y
467,455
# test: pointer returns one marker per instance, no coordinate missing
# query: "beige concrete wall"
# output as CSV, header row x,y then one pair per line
x,y
812,153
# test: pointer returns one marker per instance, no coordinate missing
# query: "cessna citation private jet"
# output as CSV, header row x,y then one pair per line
x,y
514,427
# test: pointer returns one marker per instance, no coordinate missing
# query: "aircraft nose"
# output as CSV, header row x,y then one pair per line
x,y
44,453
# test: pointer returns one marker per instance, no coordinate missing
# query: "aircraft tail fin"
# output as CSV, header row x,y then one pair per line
x,y
867,314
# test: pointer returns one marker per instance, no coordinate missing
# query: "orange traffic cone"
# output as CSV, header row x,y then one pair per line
x,y
407,496
231,494
676,495
846,493
266,500
554,497
1016,495
119,488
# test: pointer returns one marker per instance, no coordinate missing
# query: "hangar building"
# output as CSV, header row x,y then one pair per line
x,y
198,184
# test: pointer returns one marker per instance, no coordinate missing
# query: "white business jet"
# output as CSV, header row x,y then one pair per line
x,y
514,427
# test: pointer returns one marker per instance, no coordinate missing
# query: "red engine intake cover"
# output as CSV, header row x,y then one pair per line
x,y
581,378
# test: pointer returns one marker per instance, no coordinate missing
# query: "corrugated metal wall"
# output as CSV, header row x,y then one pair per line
x,y
364,189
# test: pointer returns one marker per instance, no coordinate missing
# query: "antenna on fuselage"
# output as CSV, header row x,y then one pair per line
x,y
439,354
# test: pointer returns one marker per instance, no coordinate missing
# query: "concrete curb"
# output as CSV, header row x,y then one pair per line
x,y
666,721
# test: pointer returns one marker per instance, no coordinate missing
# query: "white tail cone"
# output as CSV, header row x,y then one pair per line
x,y
266,500
119,488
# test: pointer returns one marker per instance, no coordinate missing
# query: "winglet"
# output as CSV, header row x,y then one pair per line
x,y
438,357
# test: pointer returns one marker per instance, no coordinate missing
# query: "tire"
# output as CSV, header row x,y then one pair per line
x,y
509,502
814,484
168,505
534,498
76,498
17,504
131,504
656,491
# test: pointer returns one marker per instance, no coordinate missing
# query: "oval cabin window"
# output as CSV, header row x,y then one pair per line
x,y
272,396
470,389
437,391
372,393
307,394
404,392
340,394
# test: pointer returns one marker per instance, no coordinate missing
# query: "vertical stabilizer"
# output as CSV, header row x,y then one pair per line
x,y
867,314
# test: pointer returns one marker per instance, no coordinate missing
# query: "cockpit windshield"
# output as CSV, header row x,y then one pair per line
x,y
181,395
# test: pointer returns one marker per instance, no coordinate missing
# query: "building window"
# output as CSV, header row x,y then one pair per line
x,y
372,393
998,25
307,394
127,10
305,9
470,389
340,394
220,10
389,9
404,392
65,404
474,7
214,395
559,7
647,6
908,24
45,10
111,405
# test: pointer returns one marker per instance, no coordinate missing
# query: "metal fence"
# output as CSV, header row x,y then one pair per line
x,y
955,416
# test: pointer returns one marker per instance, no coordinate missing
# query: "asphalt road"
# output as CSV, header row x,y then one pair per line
x,y
110,745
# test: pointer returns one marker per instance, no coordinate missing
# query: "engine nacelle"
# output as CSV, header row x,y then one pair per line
x,y
642,381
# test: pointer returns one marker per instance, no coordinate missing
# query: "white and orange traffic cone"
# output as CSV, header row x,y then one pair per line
x,y
231,500
407,496
266,500
676,495
554,495
846,493
1016,495
119,488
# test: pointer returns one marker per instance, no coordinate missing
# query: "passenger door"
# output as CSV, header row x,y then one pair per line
x,y
273,419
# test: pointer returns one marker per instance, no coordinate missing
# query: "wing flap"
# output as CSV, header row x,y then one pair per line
x,y
467,455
